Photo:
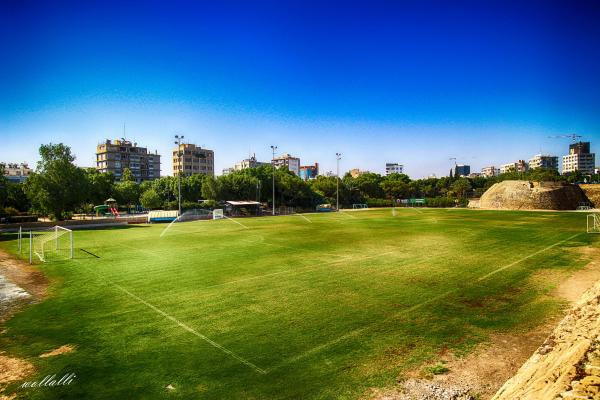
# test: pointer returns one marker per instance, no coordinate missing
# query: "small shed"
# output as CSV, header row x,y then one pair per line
x,y
240,208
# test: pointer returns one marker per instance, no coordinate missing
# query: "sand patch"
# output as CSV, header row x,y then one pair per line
x,y
67,348
13,369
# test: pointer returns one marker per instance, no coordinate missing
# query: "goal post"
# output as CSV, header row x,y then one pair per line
x,y
52,243
593,223
359,206
218,213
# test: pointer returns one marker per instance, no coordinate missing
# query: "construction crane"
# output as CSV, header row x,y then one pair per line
x,y
572,136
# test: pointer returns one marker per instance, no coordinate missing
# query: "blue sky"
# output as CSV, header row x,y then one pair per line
x,y
415,82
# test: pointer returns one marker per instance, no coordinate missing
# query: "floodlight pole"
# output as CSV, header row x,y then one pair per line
x,y
273,148
179,167
338,156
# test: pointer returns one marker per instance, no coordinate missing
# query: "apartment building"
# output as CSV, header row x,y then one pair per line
x,y
490,171
309,171
15,172
393,168
518,166
579,159
115,156
543,161
189,159
292,163
250,162
355,172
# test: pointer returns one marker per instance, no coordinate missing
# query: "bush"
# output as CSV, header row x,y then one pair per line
x,y
440,202
379,202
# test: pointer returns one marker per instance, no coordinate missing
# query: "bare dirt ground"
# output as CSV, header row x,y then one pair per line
x,y
67,348
481,373
20,284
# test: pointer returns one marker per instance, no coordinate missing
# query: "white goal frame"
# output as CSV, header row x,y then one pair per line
x,y
39,242
593,223
218,213
359,206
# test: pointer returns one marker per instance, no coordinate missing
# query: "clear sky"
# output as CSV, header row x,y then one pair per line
x,y
415,82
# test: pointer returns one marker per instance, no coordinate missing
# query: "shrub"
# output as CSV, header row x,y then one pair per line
x,y
11,211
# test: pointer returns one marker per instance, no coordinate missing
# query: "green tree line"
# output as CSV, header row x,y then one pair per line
x,y
58,188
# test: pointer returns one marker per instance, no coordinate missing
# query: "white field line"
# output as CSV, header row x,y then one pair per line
x,y
358,331
237,222
300,215
345,213
182,325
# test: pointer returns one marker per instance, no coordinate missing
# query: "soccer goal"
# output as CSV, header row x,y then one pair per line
x,y
359,206
593,223
218,213
48,244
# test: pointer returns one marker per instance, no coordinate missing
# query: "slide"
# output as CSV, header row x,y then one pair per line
x,y
114,212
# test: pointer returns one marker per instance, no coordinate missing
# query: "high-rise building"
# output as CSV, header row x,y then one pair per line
x,y
393,168
292,163
190,159
518,166
309,171
543,161
490,171
462,170
579,159
16,173
115,156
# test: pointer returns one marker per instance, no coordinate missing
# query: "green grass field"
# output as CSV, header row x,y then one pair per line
x,y
288,307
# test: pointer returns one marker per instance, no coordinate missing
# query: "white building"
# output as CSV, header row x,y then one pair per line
x,y
490,171
579,159
543,161
16,172
393,168
518,166
292,163
249,163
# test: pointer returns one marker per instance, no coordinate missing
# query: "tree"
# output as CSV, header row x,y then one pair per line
x,y
127,191
150,199
3,189
461,186
57,186
100,185
211,189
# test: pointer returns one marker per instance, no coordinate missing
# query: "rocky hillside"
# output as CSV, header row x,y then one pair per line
x,y
567,365
592,192
526,195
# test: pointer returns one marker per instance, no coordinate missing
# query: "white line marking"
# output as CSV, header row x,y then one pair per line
x,y
181,324
410,309
300,215
345,213
233,220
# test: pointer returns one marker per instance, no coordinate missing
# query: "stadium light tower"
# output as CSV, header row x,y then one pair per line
x,y
273,163
179,167
338,156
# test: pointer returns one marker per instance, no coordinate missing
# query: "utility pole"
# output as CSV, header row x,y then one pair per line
x,y
273,163
338,156
179,167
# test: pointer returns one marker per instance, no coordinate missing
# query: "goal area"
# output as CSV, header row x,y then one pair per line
x,y
359,206
218,213
593,223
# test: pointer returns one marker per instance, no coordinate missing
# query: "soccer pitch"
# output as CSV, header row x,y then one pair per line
x,y
315,306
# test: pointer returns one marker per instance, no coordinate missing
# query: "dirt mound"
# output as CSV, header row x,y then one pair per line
x,y
567,365
526,195
592,192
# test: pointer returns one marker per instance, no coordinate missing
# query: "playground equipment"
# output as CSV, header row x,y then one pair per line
x,y
109,208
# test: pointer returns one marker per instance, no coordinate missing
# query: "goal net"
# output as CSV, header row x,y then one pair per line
x,y
218,213
593,223
52,243
359,206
